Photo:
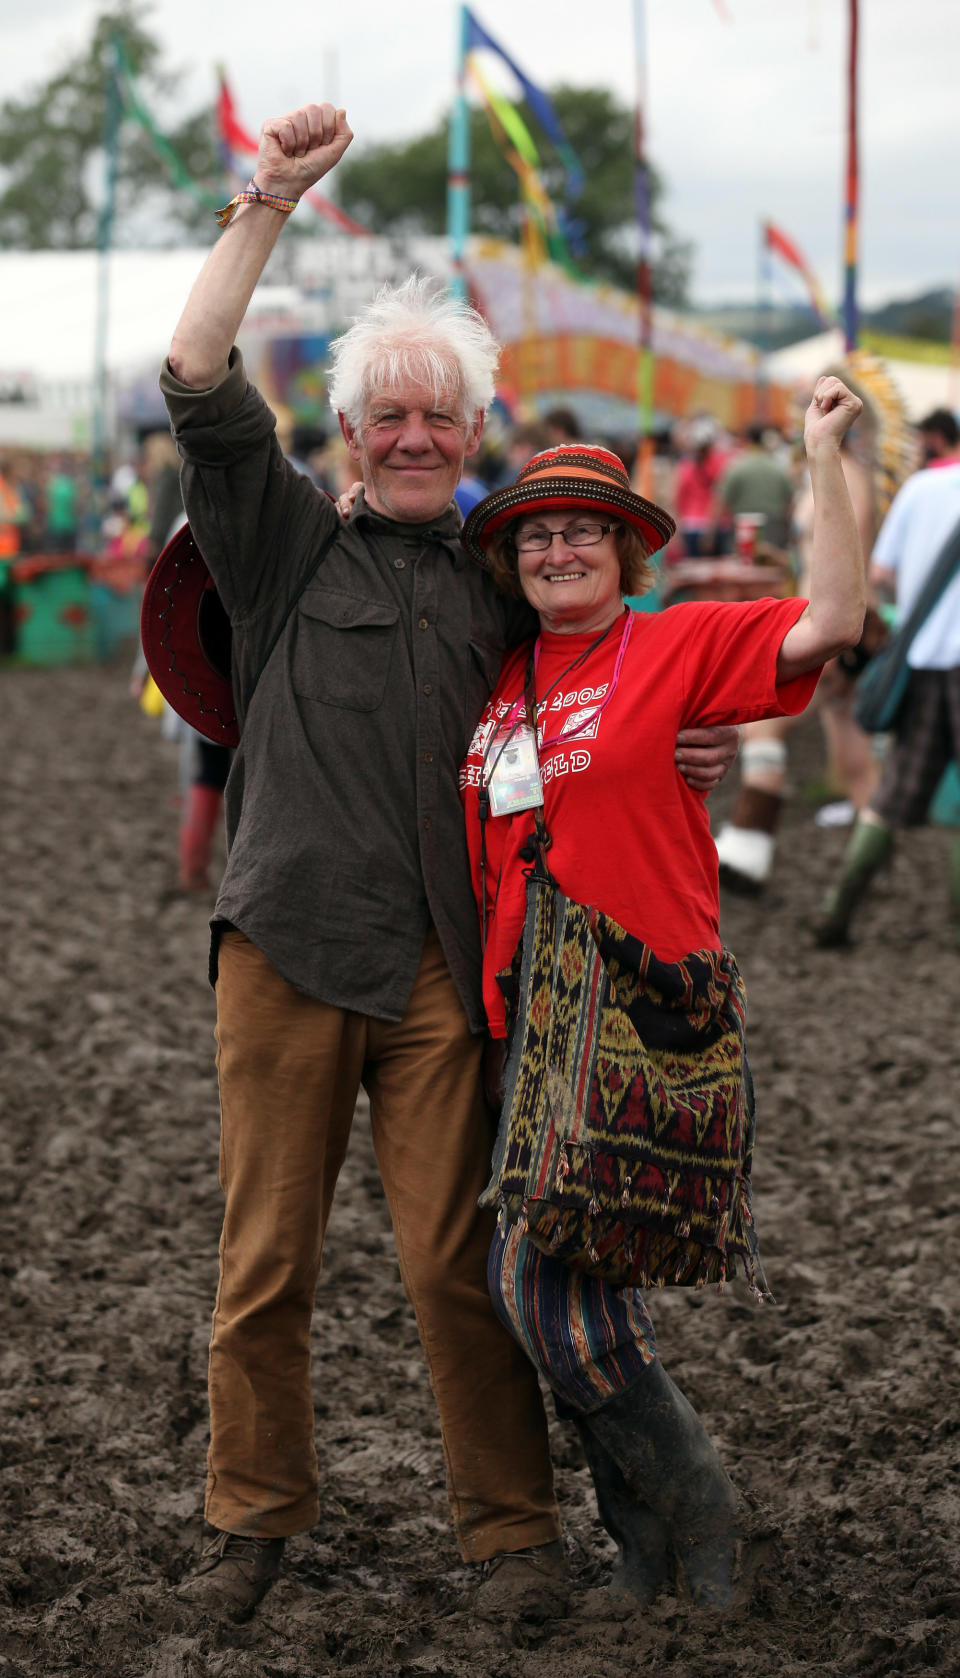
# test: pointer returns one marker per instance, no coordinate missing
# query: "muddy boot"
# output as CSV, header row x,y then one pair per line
x,y
233,1574
204,806
529,1584
870,845
662,1448
745,858
746,844
642,1568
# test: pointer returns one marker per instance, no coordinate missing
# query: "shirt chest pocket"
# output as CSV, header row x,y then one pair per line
x,y
343,649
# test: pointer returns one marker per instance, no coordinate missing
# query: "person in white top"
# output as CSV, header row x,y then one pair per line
x,y
922,518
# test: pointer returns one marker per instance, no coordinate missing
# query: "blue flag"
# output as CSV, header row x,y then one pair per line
x,y
537,100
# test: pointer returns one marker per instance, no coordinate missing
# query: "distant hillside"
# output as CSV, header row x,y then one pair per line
x,y
928,316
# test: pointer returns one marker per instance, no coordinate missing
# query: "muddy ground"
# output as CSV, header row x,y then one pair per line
x,y
836,1409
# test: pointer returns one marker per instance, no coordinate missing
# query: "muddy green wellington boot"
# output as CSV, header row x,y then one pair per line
x,y
662,1448
642,1569
870,845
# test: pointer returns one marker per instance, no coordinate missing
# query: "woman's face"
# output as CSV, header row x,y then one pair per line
x,y
572,587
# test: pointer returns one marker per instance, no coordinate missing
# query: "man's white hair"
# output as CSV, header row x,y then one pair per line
x,y
414,332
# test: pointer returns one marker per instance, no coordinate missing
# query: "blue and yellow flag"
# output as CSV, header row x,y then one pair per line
x,y
477,36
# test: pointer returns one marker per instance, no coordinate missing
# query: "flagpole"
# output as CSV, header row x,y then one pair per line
x,y
331,92
851,324
954,379
644,279
111,126
762,328
458,167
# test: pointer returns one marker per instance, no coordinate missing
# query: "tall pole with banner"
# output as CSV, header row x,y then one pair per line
x,y
954,385
851,322
762,325
644,270
111,127
458,167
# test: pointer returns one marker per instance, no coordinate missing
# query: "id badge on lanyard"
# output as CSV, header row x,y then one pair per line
x,y
514,782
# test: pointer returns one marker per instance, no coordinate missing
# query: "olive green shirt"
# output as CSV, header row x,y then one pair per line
x,y
344,824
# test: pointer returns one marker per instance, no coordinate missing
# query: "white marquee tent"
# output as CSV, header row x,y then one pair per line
x,y
48,311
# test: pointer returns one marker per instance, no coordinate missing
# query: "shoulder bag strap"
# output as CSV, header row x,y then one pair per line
x,y
938,578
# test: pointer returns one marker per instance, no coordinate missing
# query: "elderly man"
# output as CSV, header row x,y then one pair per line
x,y
345,943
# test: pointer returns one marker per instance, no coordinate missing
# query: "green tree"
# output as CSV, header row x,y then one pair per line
x,y
402,189
51,150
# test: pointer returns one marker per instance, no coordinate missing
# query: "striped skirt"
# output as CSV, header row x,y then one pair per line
x,y
588,1340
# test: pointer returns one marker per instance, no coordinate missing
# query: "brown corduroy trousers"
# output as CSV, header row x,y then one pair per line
x,y
290,1069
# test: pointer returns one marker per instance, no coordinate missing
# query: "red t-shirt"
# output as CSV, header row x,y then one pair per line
x,y
630,836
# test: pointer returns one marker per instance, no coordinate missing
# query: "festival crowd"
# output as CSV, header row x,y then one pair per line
x,y
741,506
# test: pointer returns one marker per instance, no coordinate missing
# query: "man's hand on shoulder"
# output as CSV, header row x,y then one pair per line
x,y
704,755
298,149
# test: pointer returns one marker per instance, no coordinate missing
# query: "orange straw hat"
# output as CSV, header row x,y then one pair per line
x,y
573,475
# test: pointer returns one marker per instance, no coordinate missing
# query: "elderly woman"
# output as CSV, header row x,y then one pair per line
x,y
610,688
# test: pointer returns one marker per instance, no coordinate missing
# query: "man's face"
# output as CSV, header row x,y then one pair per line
x,y
411,450
933,446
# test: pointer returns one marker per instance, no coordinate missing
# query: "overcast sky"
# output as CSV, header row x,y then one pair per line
x,y
745,104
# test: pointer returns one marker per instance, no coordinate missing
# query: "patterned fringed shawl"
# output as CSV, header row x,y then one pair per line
x,y
626,1136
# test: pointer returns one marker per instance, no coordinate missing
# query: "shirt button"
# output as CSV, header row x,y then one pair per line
x,y
427,824
428,687
428,757
399,564
424,623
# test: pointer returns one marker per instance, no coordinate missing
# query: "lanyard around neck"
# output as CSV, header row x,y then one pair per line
x,y
526,707
596,710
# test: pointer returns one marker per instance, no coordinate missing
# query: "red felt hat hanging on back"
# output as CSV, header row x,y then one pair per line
x,y
186,640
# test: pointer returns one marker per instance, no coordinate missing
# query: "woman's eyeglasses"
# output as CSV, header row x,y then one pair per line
x,y
576,536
